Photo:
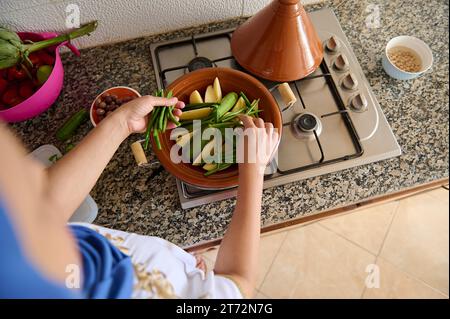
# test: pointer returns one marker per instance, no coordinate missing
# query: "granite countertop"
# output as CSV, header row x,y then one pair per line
x,y
146,201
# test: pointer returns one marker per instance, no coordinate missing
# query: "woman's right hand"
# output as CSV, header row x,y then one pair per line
x,y
135,113
257,155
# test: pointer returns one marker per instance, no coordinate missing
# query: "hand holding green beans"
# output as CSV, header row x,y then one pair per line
x,y
162,118
140,112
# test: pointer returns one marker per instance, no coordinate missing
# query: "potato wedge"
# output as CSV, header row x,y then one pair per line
x,y
195,97
240,104
209,167
195,114
198,160
217,90
210,96
184,139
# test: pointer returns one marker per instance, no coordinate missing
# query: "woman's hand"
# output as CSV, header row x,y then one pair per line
x,y
258,154
135,112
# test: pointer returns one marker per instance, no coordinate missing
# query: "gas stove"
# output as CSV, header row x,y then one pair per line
x,y
335,124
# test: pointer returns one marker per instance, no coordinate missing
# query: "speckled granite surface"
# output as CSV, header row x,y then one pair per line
x,y
136,200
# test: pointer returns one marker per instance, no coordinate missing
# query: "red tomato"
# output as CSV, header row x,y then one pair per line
x,y
18,101
26,89
3,73
46,58
35,60
3,85
15,73
11,95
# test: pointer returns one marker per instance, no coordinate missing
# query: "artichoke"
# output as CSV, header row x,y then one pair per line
x,y
15,52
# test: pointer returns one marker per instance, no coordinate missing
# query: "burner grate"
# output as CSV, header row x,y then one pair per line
x,y
326,74
188,67
342,112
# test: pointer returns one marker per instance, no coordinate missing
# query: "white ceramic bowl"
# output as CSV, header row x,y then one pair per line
x,y
120,91
418,46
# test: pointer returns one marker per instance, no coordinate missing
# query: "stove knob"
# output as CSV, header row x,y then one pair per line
x,y
358,103
341,63
350,82
333,45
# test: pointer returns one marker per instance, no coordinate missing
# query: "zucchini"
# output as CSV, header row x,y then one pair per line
x,y
73,123
227,104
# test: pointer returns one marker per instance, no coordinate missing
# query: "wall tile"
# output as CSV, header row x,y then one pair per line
x,y
45,17
253,6
13,5
122,20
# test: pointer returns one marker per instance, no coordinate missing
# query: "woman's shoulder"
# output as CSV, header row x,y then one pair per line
x,y
18,275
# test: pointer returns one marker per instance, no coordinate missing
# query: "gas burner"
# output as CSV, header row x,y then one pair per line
x,y
305,124
199,63
336,123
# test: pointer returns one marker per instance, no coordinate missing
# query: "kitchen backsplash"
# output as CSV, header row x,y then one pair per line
x,y
121,20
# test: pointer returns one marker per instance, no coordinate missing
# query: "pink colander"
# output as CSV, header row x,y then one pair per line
x,y
44,97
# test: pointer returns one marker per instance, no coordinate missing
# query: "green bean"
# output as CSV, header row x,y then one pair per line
x,y
195,106
149,128
223,125
161,118
172,118
231,115
156,137
164,126
246,100
252,106
150,123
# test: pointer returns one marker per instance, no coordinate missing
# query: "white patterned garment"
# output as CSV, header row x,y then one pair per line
x,y
164,270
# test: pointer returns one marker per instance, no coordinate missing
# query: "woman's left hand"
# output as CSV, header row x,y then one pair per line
x,y
136,112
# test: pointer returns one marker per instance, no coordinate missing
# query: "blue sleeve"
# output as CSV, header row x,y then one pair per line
x,y
18,277
106,271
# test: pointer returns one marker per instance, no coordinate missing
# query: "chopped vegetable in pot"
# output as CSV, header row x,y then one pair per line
x,y
214,111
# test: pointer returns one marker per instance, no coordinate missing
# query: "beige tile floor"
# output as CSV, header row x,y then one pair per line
x,y
394,250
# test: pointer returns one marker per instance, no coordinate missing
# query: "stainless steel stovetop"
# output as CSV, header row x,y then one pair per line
x,y
341,122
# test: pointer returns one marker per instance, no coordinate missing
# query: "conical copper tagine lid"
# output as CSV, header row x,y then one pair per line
x,y
279,43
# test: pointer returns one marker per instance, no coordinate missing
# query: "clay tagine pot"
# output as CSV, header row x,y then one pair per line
x,y
231,81
279,43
